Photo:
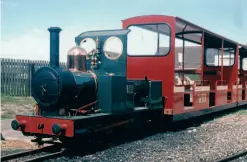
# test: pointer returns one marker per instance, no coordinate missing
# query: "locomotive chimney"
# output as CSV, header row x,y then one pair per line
x,y
54,46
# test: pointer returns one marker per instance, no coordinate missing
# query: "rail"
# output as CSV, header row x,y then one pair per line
x,y
232,157
57,151
45,157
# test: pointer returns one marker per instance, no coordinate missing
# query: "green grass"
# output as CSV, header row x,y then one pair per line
x,y
10,106
8,115
16,100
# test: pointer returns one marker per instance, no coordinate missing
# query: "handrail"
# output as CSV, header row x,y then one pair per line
x,y
202,82
178,85
221,82
238,82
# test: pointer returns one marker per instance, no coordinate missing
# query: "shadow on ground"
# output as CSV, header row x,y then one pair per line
x,y
99,142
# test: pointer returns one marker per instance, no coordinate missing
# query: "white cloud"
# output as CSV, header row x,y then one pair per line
x,y
32,45
35,45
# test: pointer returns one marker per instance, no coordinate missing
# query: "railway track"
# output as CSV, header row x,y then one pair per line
x,y
233,157
35,155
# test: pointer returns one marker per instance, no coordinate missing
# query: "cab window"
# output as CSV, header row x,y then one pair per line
x,y
148,40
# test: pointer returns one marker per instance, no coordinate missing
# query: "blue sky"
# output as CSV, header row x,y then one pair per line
x,y
25,22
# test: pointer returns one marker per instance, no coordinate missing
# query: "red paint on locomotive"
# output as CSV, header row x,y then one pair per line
x,y
32,124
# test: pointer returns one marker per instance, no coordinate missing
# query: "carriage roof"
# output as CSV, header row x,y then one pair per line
x,y
186,30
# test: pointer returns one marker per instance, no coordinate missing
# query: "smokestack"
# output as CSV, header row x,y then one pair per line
x,y
54,46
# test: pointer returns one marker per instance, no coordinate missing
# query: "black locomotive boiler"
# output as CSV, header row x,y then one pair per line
x,y
93,93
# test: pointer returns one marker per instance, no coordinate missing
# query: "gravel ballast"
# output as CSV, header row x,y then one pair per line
x,y
210,141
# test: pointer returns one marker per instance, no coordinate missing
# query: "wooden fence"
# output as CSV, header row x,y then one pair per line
x,y
16,75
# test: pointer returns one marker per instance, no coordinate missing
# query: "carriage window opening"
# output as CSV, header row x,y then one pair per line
x,y
244,64
192,54
214,57
149,40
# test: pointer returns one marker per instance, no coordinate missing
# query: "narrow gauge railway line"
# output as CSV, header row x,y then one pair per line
x,y
35,155
233,157
119,87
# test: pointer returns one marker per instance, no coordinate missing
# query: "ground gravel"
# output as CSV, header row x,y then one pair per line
x,y
210,141
8,144
207,142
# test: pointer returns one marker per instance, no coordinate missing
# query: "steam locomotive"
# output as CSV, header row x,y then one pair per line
x,y
92,94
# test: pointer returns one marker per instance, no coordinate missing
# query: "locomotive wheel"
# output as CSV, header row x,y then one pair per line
x,y
74,141
65,140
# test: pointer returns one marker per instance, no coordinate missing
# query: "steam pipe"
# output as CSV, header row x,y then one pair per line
x,y
54,46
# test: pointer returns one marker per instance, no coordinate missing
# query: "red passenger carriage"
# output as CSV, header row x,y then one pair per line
x,y
218,87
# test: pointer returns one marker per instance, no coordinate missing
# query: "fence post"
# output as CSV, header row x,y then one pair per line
x,y
30,77
2,76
